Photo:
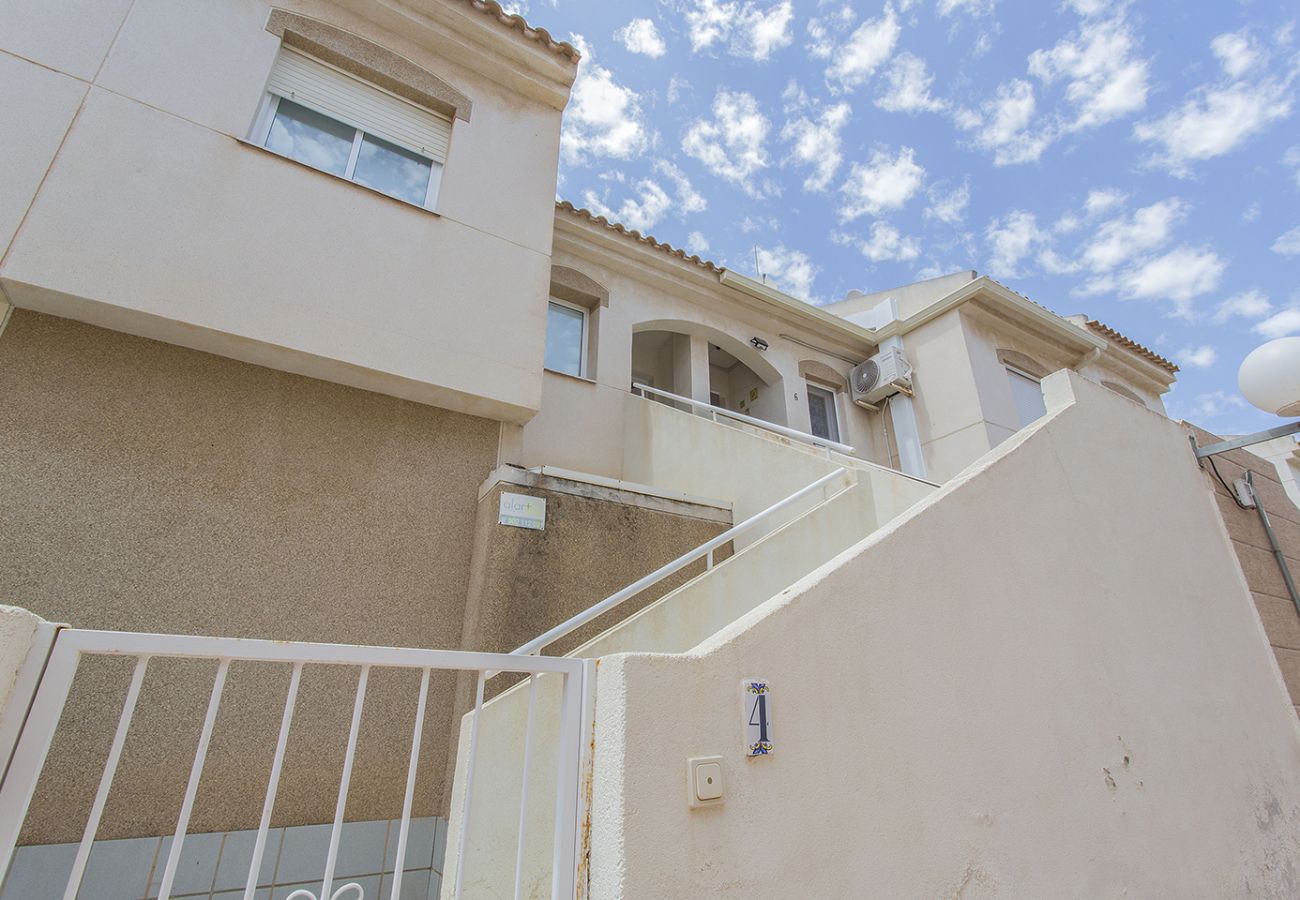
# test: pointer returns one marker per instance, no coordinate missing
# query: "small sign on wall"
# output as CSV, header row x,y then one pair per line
x,y
757,696
523,511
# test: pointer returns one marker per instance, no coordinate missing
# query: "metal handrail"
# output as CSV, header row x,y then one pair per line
x,y
749,420
704,550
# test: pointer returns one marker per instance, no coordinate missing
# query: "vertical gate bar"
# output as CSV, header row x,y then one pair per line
x,y
273,783
33,745
563,873
336,832
192,788
469,786
410,786
523,791
106,780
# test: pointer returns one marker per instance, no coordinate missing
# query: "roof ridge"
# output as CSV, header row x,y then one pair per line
x,y
584,213
520,24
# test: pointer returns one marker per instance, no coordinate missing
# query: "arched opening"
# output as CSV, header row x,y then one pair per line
x,y
700,362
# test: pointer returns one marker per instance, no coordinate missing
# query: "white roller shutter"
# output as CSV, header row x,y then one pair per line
x,y
329,90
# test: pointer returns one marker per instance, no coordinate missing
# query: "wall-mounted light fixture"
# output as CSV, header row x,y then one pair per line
x,y
1269,378
758,343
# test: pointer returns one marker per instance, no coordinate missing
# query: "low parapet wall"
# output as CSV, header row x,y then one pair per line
x,y
1046,679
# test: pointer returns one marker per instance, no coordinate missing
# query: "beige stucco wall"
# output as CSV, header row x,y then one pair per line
x,y
152,488
155,219
1010,691
649,290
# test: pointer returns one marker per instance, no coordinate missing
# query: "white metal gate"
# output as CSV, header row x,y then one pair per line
x,y
72,645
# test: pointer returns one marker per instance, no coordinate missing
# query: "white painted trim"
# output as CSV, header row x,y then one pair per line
x,y
586,328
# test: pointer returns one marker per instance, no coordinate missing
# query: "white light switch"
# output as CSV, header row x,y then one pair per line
x,y
704,780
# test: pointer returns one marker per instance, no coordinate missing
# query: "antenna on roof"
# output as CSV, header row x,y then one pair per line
x,y
757,270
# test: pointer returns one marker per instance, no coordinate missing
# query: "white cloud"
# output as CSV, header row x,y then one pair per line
x,y
1288,244
886,243
641,36
817,144
689,200
749,30
1216,403
603,117
948,207
1012,238
1004,125
697,243
1088,8
885,183
1105,77
1104,200
909,87
1280,324
1252,304
1180,275
732,143
789,270
1251,213
1213,121
1292,159
1197,357
971,7
853,62
639,213
1236,53
1119,240
677,87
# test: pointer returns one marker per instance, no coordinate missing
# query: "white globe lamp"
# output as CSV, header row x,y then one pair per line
x,y
1270,377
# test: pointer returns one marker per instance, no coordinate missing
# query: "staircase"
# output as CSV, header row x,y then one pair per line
x,y
670,449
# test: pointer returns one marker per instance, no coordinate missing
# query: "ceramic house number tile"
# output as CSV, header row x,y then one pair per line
x,y
757,696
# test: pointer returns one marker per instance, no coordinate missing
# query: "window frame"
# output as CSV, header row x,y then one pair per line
x,y
583,343
832,404
261,134
1016,370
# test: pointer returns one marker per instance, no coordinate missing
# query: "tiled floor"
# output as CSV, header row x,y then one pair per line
x,y
215,866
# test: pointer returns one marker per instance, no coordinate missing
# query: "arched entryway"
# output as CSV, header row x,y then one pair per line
x,y
703,363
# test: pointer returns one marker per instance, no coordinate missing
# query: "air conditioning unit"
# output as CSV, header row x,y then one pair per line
x,y
886,373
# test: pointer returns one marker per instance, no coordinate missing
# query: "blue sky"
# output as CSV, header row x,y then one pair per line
x,y
1139,162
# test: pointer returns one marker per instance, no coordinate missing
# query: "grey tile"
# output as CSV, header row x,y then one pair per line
x,y
197,865
435,886
237,855
361,848
419,844
302,855
440,846
415,885
260,894
39,873
119,869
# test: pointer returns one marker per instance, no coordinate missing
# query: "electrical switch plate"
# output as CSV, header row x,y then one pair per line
x,y
704,781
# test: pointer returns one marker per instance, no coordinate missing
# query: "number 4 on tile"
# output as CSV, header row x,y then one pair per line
x,y
757,696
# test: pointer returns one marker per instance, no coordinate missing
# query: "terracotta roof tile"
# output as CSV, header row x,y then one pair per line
x,y
584,213
1129,344
518,23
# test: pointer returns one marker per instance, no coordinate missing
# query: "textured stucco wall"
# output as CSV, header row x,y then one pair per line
x,y
141,209
147,487
1258,564
1045,680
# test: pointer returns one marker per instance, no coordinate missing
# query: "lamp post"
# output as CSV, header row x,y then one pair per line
x,y
1269,378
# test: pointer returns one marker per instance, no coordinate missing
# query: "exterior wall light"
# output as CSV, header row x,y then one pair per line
x,y
758,343
1269,378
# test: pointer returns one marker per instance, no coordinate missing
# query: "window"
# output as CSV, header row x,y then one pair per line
x,y
821,410
1028,396
329,120
566,338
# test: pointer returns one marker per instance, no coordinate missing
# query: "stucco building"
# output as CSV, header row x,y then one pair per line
x,y
290,318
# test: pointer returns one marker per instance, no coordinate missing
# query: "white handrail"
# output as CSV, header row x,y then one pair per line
x,y
750,420
704,550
